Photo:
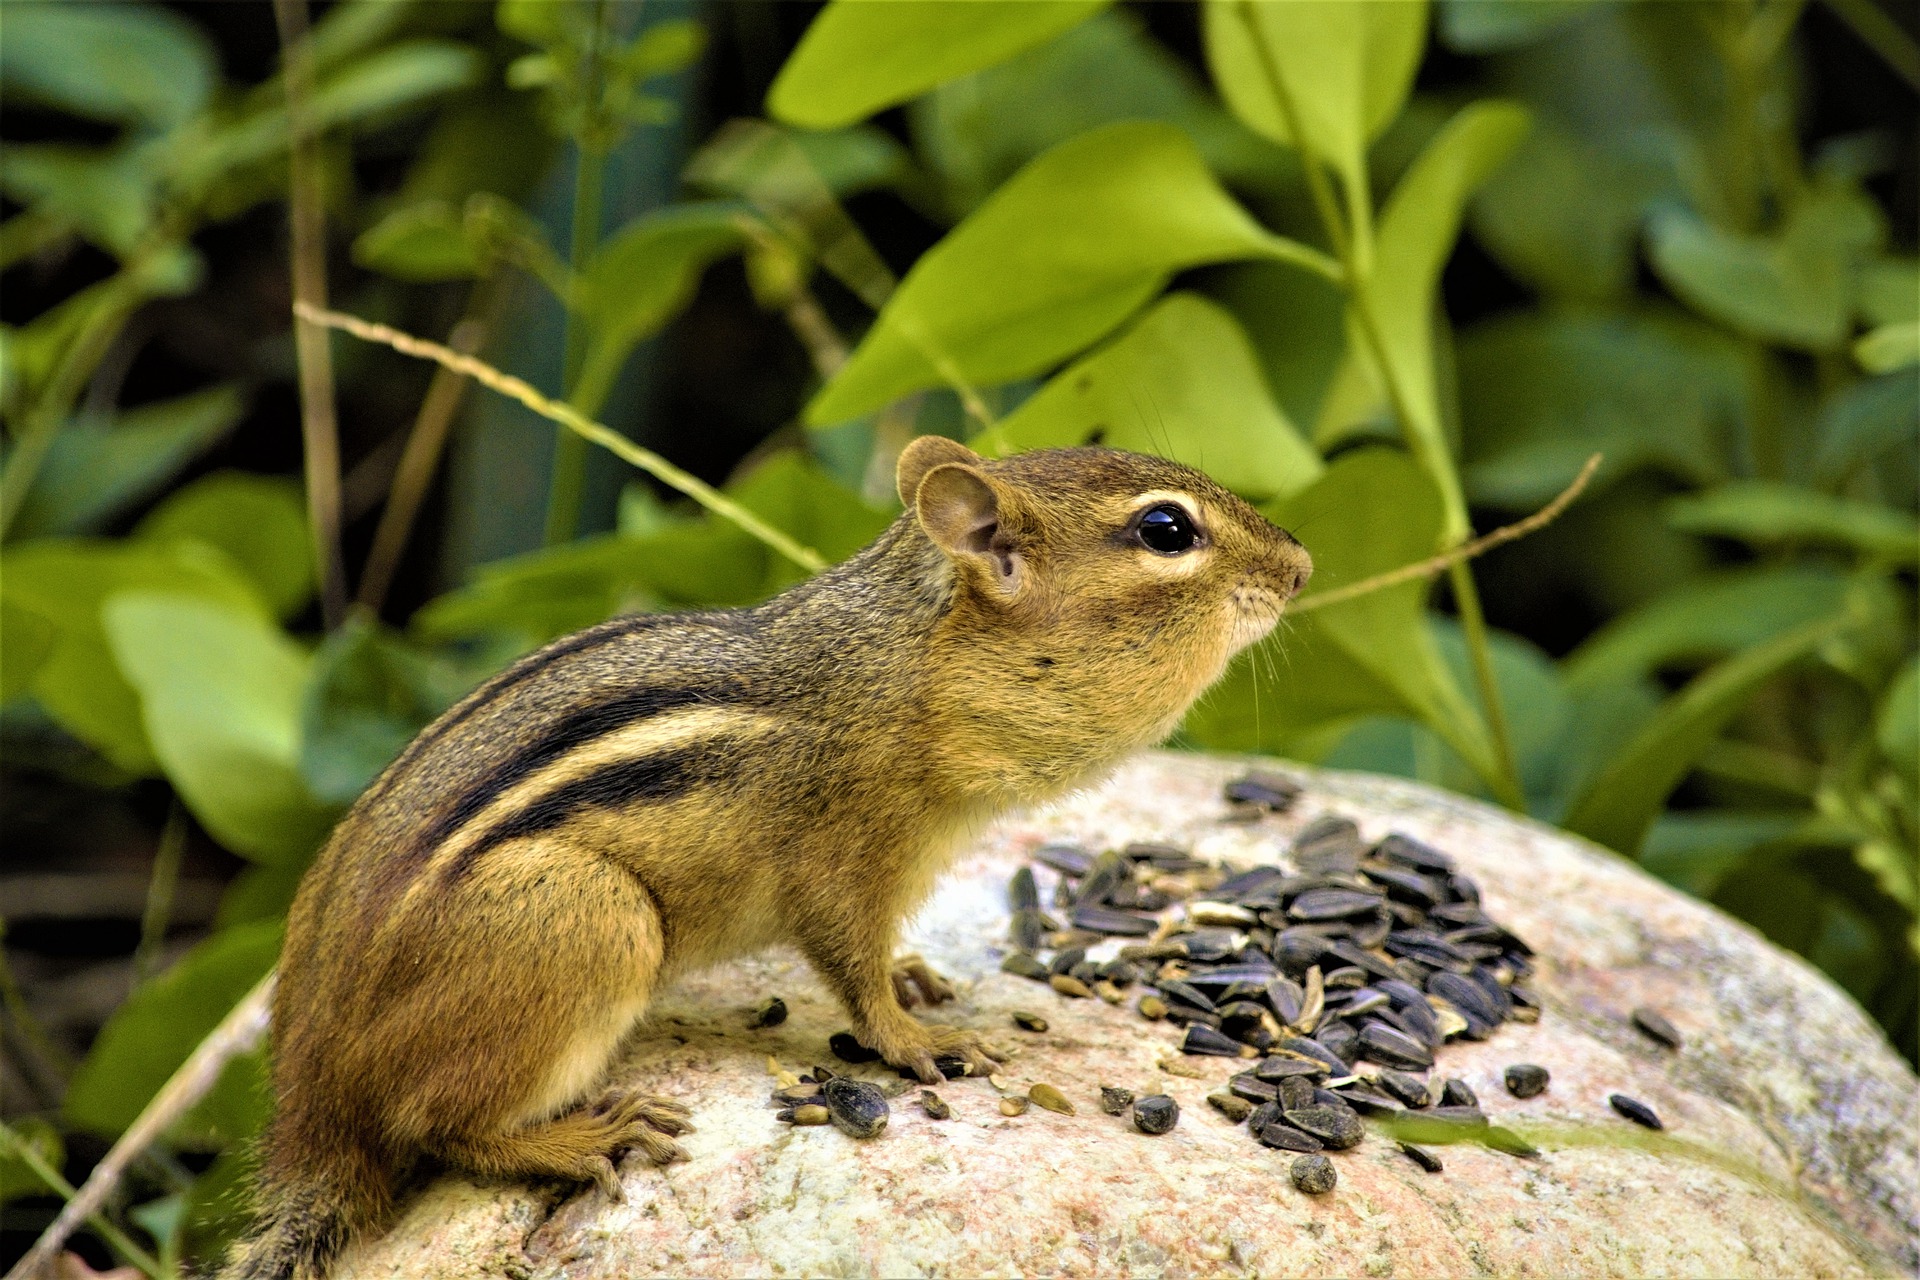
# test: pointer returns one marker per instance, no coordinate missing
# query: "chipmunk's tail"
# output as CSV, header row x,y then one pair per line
x,y
312,1204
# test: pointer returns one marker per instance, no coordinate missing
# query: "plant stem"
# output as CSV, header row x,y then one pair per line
x,y
113,1235
307,218
1506,780
425,442
1883,35
166,876
568,483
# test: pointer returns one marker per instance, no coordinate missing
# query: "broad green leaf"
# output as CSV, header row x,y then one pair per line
x,y
1620,804
1564,215
1897,724
133,63
98,467
1540,392
419,242
1374,510
1697,851
1416,237
363,90
220,691
1795,288
538,596
66,580
861,56
368,694
1182,382
1890,347
1295,323
545,24
1486,26
487,140
663,48
1763,511
260,522
976,132
1067,249
17,1178
1347,69
160,1025
1538,706
107,196
1890,291
1872,417
27,640
641,278
1708,619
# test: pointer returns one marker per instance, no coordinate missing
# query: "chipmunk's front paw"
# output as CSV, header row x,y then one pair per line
x,y
915,982
919,1049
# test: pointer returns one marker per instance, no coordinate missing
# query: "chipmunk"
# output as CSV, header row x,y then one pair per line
x,y
486,926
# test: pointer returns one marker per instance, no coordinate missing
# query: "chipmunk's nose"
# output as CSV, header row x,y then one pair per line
x,y
1296,566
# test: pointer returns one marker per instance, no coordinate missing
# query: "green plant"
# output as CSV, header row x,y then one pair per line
x,y
1242,271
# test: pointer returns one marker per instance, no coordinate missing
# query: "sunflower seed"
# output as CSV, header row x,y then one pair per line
x,y
1152,1008
1294,1093
1251,1087
1314,1175
858,1109
1029,1021
1317,905
1410,1090
1069,986
1285,996
1337,1128
1339,1039
848,1049
770,1014
1457,1093
1409,852
1115,1101
1284,1137
1231,1105
1067,859
1314,1049
1236,888
1390,1048
1525,1080
1277,1068
810,1113
1202,1039
1156,1114
1652,1023
1422,1157
1268,790
1635,1110
1464,995
1022,964
1045,1095
1183,993
1028,929
1013,1105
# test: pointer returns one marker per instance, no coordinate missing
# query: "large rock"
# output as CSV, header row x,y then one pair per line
x,y
1790,1147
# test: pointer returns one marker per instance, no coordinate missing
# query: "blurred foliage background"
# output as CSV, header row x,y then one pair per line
x,y
1391,270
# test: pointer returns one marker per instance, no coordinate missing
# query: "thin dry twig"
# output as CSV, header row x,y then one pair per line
x,y
554,411
239,1032
1459,555
425,442
307,219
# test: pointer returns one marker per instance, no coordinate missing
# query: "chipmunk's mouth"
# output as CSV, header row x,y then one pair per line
x,y
1255,611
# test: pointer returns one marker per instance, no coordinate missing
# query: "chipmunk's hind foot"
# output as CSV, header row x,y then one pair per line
x,y
582,1145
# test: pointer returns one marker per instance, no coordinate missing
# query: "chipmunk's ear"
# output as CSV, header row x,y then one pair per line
x,y
923,454
960,508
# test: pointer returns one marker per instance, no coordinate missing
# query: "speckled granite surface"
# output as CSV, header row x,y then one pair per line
x,y
1792,1128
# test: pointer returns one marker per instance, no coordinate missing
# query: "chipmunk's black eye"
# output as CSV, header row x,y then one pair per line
x,y
1167,529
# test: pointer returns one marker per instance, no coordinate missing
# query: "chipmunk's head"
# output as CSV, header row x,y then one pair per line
x,y
1119,583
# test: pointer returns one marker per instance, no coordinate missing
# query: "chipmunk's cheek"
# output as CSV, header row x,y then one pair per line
x,y
1253,611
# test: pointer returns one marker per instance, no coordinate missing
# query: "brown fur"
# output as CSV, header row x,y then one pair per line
x,y
489,922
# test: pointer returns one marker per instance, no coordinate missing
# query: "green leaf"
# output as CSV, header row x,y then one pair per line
x,y
105,195
977,131
98,467
1182,382
1488,26
641,278
1564,215
1295,323
1540,392
1890,347
369,694
27,640
1416,236
66,580
1619,806
1794,289
260,522
220,690
1697,851
1347,68
1897,724
1890,291
663,48
1871,417
161,1024
17,1178
419,242
1067,249
1762,511
861,56
1374,510
132,63
1709,618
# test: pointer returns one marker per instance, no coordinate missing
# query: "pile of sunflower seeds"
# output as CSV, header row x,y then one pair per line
x,y
1335,979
